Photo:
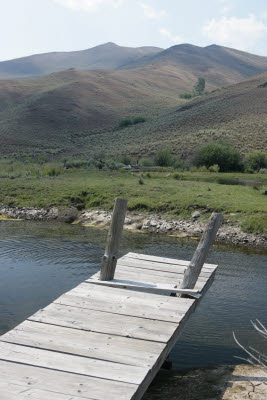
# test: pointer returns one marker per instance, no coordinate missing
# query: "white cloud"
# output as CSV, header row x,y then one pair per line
x,y
88,5
170,36
241,33
151,12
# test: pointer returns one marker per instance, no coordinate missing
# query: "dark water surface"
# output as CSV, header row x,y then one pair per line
x,y
41,261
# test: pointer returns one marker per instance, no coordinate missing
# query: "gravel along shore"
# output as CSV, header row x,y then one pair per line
x,y
153,224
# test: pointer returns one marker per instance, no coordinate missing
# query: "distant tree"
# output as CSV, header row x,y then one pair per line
x,y
256,160
200,86
221,153
164,158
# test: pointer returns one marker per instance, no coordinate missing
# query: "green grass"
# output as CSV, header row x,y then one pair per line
x,y
161,193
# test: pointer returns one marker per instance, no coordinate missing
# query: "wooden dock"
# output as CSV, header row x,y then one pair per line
x,y
103,339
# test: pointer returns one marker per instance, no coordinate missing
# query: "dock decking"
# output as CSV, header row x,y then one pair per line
x,y
100,342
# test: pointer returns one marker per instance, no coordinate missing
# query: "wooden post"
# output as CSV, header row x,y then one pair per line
x,y
110,257
192,272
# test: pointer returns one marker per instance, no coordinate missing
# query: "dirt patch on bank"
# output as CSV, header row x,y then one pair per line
x,y
241,382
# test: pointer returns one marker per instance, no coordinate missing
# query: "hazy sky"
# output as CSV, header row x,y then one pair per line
x,y
38,26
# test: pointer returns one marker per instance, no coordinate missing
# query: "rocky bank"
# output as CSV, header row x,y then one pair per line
x,y
240,382
153,224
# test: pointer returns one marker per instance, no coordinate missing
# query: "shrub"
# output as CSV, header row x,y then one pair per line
x,y
51,172
124,123
126,159
112,164
186,96
256,160
178,163
146,162
177,176
140,179
214,168
221,153
164,158
138,120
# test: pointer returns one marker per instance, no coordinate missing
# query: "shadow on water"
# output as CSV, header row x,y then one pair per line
x,y
41,261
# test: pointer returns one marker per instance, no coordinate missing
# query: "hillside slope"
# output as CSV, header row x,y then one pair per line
x,y
53,111
237,114
77,111
220,65
106,56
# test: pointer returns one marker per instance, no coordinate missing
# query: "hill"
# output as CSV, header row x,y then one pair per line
x,y
108,56
237,114
55,110
220,65
75,111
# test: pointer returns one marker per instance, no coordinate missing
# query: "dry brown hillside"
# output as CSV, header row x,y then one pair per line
x,y
237,114
72,109
106,56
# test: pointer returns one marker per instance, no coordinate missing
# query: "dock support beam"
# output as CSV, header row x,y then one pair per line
x,y
192,272
109,260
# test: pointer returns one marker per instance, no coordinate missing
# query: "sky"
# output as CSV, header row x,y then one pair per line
x,y
39,26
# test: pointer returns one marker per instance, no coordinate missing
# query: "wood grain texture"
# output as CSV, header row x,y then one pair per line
x,y
97,342
65,383
88,344
192,273
110,257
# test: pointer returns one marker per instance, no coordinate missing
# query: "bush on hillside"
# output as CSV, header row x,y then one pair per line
x,y
124,123
146,162
255,160
126,159
187,96
221,153
164,158
138,120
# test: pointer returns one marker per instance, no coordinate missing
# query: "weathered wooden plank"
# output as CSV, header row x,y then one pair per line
x,y
88,344
115,283
91,291
146,274
11,391
70,363
164,260
170,315
156,266
104,322
110,257
65,383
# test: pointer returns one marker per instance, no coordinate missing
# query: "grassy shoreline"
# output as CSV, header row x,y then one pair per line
x,y
173,195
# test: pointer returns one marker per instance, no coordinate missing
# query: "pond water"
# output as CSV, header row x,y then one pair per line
x,y
258,183
41,261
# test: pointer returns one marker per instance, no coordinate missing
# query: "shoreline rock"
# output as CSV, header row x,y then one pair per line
x,y
239,382
152,224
